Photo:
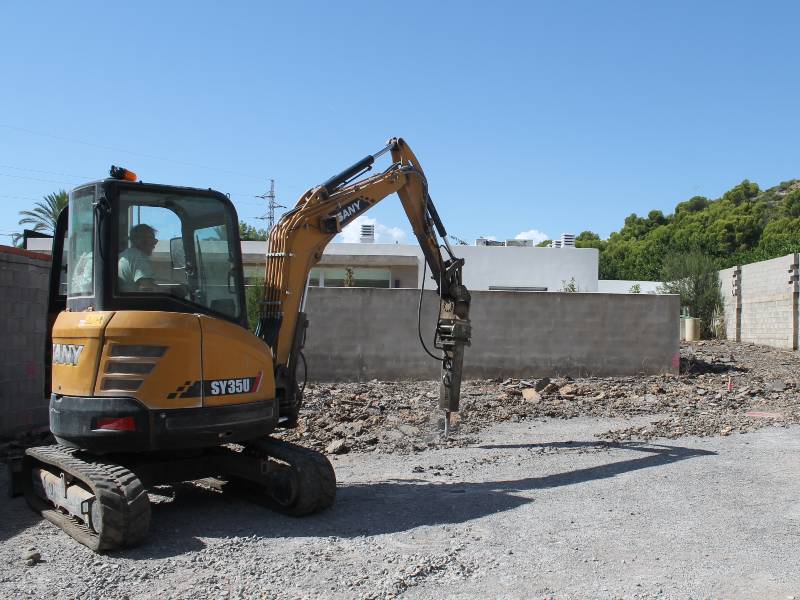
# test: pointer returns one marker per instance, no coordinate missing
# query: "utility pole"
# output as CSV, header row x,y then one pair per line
x,y
271,205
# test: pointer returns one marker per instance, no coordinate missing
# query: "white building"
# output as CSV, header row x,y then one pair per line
x,y
513,268
521,268
625,286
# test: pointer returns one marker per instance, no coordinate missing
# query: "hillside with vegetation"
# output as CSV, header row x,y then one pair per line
x,y
745,225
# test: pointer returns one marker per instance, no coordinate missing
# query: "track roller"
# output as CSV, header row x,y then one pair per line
x,y
104,506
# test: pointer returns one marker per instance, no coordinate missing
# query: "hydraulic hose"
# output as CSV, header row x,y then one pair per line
x,y
419,313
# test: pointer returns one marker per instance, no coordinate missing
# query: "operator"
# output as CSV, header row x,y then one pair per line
x,y
134,268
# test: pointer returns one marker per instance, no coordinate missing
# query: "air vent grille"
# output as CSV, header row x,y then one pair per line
x,y
122,385
137,351
129,368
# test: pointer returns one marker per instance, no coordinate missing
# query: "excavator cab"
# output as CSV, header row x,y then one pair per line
x,y
148,324
140,246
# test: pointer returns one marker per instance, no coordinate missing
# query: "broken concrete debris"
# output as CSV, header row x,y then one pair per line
x,y
720,390
30,556
541,384
531,395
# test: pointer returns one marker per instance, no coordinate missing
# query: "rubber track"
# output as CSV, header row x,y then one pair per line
x,y
124,504
315,475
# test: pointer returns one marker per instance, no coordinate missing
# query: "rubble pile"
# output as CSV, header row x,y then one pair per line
x,y
723,387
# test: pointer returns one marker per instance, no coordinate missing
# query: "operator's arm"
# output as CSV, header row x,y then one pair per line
x,y
135,272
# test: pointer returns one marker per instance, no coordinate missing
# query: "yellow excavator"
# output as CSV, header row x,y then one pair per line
x,y
154,375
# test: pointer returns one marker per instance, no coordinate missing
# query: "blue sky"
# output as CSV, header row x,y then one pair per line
x,y
548,117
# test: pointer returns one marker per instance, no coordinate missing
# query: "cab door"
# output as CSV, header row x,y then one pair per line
x,y
57,294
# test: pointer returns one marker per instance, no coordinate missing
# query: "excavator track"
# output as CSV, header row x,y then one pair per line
x,y
116,505
297,482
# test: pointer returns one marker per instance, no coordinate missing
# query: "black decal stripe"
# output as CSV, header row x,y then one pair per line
x,y
193,391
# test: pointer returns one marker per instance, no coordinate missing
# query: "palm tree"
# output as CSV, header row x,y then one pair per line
x,y
44,215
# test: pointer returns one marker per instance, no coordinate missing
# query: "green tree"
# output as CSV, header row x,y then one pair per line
x,y
744,225
544,244
248,233
569,286
656,217
693,276
349,277
587,236
44,214
253,295
692,205
791,203
780,237
741,193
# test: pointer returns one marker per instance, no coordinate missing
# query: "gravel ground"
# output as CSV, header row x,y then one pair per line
x,y
531,510
587,488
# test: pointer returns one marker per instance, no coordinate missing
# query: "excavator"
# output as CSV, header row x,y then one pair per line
x,y
154,374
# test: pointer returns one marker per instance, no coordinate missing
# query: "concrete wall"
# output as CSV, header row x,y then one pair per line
x,y
728,279
23,298
761,302
766,297
363,333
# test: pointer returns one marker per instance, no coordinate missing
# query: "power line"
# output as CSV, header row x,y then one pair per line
x,y
35,179
19,197
133,152
68,183
245,198
43,171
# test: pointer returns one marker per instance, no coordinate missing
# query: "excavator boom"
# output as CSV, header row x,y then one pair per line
x,y
297,242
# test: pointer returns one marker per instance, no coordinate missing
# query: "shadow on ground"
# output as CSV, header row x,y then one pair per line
x,y
16,516
377,508
698,366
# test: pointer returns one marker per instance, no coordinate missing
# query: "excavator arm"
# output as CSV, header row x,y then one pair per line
x,y
297,242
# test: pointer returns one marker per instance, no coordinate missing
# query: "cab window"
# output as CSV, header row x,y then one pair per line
x,y
80,268
180,246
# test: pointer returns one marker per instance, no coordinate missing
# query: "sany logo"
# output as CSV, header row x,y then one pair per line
x,y
349,210
66,354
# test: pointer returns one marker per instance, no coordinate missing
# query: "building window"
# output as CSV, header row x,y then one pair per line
x,y
377,278
315,278
350,277
514,288
332,277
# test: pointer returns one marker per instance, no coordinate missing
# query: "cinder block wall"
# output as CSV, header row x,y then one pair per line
x,y
23,298
361,334
767,297
767,302
729,291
